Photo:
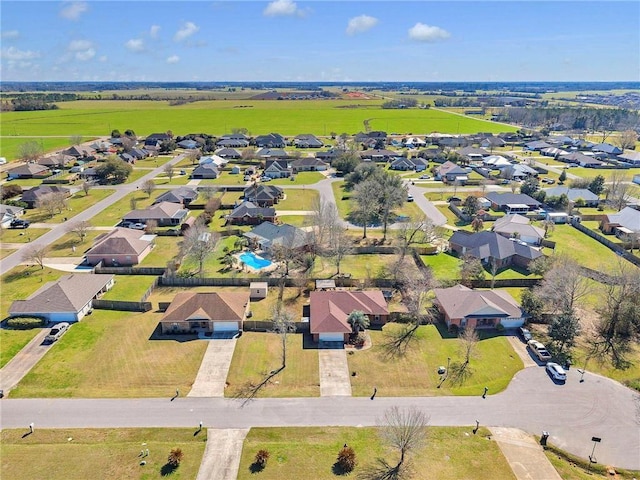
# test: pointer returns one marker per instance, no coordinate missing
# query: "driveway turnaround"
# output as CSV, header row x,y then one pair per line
x,y
24,361
212,375
221,459
334,372
526,458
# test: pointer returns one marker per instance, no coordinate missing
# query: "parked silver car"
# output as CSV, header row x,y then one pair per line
x,y
56,332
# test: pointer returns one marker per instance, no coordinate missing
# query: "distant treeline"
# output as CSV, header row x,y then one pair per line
x,y
26,102
571,118
404,103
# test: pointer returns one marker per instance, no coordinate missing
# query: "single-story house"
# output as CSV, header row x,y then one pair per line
x,y
553,152
575,157
205,170
268,235
519,171
206,313
496,161
573,194
258,290
228,153
271,140
464,307
330,155
451,172
512,202
66,300
623,223
632,158
277,169
307,140
182,195
414,142
401,163
329,311
308,164
120,247
233,141
8,213
493,249
79,151
31,196
492,142
378,155
165,213
248,213
536,145
188,144
473,153
560,140
607,148
272,153
58,160
515,225
28,170
263,195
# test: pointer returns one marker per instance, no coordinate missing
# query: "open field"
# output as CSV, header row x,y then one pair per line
x,y
9,147
113,354
451,453
416,373
257,354
83,454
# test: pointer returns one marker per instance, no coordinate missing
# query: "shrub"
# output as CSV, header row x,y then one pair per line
x,y
175,457
212,205
204,218
9,191
261,458
346,459
500,327
25,323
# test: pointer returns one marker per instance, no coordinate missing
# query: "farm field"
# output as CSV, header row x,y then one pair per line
x,y
9,146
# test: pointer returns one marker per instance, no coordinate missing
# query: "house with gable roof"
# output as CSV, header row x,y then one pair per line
x,y
248,213
120,247
515,225
493,249
165,213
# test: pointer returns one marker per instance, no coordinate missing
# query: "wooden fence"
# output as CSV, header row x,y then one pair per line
x,y
157,271
619,250
121,305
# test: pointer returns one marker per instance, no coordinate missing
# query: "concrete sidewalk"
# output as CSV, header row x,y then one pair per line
x,y
525,457
221,459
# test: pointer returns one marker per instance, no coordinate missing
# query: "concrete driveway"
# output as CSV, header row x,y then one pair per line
x,y
334,372
221,459
521,349
212,375
25,359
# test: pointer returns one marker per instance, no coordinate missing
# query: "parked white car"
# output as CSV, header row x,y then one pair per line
x,y
56,332
556,371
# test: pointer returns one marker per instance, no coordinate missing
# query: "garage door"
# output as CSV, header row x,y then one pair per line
x,y
226,326
331,337
512,322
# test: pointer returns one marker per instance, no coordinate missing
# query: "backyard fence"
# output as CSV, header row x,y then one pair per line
x,y
120,305
157,271
619,250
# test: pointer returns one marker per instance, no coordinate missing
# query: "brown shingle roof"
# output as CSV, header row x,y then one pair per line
x,y
460,301
329,310
219,307
120,241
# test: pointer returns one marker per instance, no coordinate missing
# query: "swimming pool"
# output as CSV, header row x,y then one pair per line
x,y
252,260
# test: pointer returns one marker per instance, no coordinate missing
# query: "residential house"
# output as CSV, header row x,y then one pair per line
x,y
188,144
79,151
573,194
517,226
28,170
307,140
206,313
181,195
33,195
330,155
519,171
120,247
464,307
493,249
66,300
495,161
492,142
610,150
271,140
206,170
58,160
228,153
536,145
232,142
450,172
622,224
308,164
575,158
413,142
158,137
632,158
165,213
401,163
268,235
553,152
272,153
560,140
277,169
512,202
248,213
139,153
473,154
127,157
263,195
378,155
329,311
8,213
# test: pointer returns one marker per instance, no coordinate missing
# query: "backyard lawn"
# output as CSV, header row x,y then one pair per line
x,y
257,354
114,354
443,265
75,204
113,214
359,266
263,309
585,250
63,247
61,454
129,288
166,248
416,374
451,453
297,220
296,199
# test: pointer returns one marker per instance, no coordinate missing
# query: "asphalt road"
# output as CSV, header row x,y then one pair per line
x,y
572,413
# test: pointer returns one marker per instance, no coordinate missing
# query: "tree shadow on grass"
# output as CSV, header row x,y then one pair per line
x,y
167,469
256,467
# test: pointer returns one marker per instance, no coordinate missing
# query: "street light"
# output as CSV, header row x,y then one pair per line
x,y
592,457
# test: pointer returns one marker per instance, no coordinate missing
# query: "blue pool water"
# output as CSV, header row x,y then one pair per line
x,y
254,262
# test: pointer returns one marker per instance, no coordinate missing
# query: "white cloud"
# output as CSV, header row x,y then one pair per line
x,y
9,34
173,59
188,29
103,58
361,24
135,45
86,55
73,10
14,54
281,7
427,33
154,31
77,45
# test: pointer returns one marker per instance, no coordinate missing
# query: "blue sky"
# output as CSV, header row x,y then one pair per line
x,y
287,40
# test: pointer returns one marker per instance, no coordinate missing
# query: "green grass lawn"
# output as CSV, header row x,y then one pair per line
x,y
25,183
583,249
112,354
162,179
263,309
416,374
21,281
302,178
129,288
443,265
14,235
450,453
213,267
296,220
75,204
60,454
591,173
166,248
296,199
63,247
12,341
9,147
359,266
113,214
4,252
137,174
256,354
342,198
225,178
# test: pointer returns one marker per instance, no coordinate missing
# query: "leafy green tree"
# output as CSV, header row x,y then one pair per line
x,y
366,201
29,151
563,176
597,185
392,195
362,172
114,170
532,304
530,186
346,163
358,321
471,205
563,331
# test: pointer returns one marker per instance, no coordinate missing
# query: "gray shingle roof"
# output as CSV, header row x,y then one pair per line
x,y
490,244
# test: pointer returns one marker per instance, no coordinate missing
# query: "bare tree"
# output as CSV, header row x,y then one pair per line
x,y
414,231
199,244
208,192
79,229
169,171
151,226
494,265
52,203
563,286
30,151
148,186
618,190
404,431
514,186
339,245
471,269
194,156
325,219
460,370
75,140
548,225
86,186
627,139
392,194
35,254
133,202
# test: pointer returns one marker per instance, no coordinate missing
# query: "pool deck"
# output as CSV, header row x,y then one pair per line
x,y
267,268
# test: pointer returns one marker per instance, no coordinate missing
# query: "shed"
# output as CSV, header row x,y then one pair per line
x,y
636,179
558,217
258,290
325,284
236,170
